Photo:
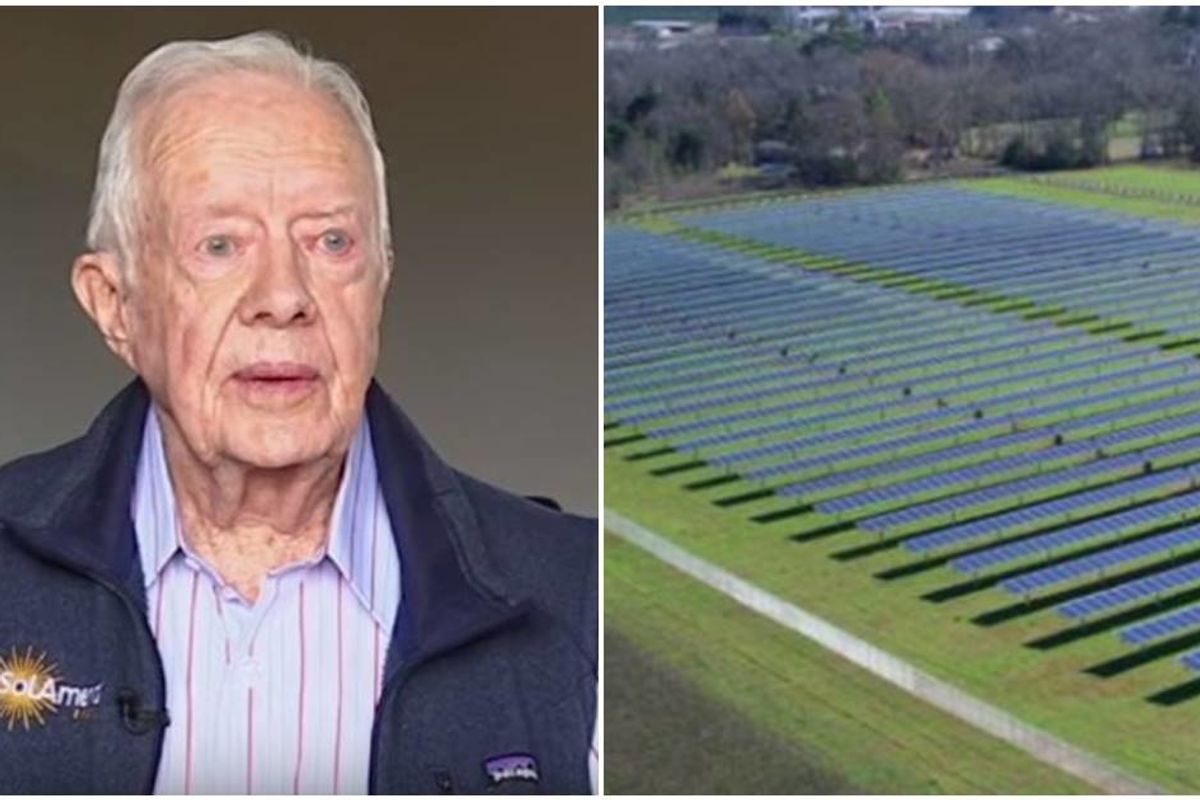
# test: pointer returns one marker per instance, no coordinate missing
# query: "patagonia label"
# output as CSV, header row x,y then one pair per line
x,y
512,767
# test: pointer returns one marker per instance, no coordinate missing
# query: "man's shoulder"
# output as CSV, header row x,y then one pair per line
x,y
30,483
530,518
33,487
527,538
549,556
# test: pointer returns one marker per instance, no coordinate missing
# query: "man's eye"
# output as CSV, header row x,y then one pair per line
x,y
335,242
219,246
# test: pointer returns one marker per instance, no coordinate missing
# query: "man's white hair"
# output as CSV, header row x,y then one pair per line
x,y
113,224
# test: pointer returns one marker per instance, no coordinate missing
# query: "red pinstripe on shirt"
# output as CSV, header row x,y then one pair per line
x,y
337,744
191,699
249,722
378,666
221,613
300,727
158,603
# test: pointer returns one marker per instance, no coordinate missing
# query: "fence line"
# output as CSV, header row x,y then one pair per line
x,y
984,716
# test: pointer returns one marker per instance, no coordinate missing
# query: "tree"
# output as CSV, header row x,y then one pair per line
x,y
1188,122
742,121
880,158
848,105
1093,140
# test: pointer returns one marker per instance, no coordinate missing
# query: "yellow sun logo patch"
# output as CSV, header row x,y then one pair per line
x,y
28,688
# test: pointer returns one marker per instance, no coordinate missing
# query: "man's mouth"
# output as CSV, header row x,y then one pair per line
x,y
277,380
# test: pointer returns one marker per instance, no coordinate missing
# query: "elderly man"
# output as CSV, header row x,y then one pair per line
x,y
252,575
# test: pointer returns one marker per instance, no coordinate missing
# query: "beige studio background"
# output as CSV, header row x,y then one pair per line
x,y
488,121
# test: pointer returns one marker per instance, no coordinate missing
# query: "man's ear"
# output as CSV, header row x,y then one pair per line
x,y
99,286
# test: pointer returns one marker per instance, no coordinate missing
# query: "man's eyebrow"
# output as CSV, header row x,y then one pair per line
x,y
337,211
219,210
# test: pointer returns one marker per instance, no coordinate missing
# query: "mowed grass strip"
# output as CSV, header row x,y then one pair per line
x,y
1176,181
704,696
1135,206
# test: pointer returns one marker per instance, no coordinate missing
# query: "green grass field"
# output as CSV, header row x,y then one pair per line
x,y
703,695
1098,188
671,737
1176,177
990,140
1082,684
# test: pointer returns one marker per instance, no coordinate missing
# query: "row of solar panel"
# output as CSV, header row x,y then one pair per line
x,y
1133,591
948,339
924,245
700,388
1025,271
916,252
1144,244
1082,405
1019,369
998,269
953,212
899,465
1148,515
1035,514
848,455
1163,627
923,248
991,350
893,300
788,327
818,300
999,465
822,303
1106,559
1057,383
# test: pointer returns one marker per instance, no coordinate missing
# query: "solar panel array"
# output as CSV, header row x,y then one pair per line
x,y
1162,627
1050,449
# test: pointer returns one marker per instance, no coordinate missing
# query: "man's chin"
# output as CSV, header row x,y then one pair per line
x,y
278,444
278,457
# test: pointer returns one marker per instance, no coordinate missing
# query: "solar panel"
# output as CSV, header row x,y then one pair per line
x,y
1047,510
1162,627
1090,565
1140,589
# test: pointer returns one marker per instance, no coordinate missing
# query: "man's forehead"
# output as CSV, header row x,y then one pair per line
x,y
226,133
219,113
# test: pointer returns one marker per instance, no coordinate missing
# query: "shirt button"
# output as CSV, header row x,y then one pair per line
x,y
251,670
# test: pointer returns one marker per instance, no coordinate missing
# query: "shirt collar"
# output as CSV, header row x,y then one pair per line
x,y
156,520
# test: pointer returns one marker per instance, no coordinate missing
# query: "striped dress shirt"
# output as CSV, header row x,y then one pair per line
x,y
277,697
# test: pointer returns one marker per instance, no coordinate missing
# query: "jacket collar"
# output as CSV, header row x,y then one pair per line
x,y
72,505
452,592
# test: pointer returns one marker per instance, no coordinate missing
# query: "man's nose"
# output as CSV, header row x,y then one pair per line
x,y
278,294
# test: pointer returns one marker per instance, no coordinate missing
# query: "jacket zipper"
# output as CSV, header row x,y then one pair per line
x,y
389,688
140,623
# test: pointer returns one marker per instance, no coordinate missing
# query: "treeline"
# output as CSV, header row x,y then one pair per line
x,y
1025,88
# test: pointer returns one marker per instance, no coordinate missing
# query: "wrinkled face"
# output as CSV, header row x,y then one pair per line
x,y
257,294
